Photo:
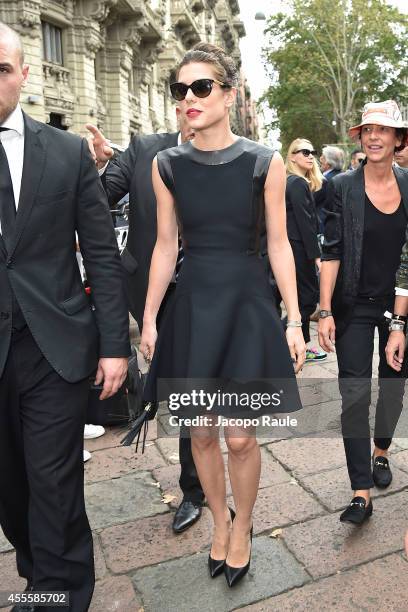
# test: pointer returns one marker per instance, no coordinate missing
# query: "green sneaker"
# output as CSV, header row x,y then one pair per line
x,y
313,355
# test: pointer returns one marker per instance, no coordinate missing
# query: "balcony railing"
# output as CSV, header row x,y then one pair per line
x,y
54,74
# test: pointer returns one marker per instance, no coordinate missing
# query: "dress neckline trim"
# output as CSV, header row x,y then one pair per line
x,y
216,158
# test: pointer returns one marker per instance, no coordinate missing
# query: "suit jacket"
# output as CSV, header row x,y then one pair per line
x,y
301,218
132,172
343,236
61,194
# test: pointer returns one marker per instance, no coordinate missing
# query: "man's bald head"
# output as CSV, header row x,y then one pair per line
x,y
13,72
10,37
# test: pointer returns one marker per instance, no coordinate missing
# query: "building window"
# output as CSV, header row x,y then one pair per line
x,y
52,43
56,121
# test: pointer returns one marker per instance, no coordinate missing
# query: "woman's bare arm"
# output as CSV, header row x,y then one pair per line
x,y
281,255
163,261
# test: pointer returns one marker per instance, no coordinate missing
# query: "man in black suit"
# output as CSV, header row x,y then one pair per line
x,y
132,172
51,340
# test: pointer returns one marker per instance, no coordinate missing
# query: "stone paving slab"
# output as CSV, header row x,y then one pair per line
x,y
313,394
115,594
184,585
151,540
283,504
115,462
315,370
325,546
401,443
356,589
275,435
331,388
169,448
321,418
4,543
10,580
100,564
305,456
401,460
334,492
122,500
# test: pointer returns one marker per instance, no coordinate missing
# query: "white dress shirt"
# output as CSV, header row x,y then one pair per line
x,y
13,144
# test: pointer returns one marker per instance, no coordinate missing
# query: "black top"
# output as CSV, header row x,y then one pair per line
x,y
301,218
384,236
250,158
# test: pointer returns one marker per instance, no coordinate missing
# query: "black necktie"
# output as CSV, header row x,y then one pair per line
x,y
7,203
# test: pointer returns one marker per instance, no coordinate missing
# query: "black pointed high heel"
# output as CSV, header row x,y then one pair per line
x,y
216,566
234,574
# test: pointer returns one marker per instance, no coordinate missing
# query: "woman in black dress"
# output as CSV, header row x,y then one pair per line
x,y
303,180
222,324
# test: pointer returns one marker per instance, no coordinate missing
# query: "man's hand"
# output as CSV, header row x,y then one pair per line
x,y
395,349
98,146
327,334
112,371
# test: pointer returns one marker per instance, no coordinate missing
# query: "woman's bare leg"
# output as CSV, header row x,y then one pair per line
x,y
205,444
244,466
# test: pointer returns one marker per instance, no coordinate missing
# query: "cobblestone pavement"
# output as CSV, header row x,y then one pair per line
x,y
303,557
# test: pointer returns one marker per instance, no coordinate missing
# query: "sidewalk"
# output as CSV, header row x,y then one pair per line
x,y
303,557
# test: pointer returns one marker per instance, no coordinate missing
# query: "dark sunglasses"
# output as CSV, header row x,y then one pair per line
x,y
200,88
306,152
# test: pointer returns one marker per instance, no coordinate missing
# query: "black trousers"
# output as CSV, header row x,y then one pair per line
x,y
355,349
42,509
189,481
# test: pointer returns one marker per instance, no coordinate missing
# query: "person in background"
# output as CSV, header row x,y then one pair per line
x,y
132,172
357,156
303,179
401,157
364,235
331,164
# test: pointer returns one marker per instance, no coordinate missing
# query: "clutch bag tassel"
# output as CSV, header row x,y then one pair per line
x,y
139,424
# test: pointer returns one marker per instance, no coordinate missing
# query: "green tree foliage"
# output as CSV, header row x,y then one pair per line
x,y
327,58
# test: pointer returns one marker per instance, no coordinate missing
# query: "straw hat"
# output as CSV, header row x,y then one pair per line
x,y
379,113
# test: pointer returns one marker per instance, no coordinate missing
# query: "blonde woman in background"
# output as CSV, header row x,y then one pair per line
x,y
303,179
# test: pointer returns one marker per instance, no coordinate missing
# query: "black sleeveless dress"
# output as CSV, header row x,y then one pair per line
x,y
221,324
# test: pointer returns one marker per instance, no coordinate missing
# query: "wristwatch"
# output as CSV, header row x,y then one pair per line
x,y
323,314
396,325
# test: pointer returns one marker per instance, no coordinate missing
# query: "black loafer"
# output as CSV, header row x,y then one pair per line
x,y
186,515
357,512
382,474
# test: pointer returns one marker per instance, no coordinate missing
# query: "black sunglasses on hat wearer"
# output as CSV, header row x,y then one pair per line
x,y
306,152
200,88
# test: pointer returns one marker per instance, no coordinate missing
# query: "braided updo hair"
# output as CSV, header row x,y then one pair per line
x,y
224,66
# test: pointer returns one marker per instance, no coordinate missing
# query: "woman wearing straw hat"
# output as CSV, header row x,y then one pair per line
x,y
364,235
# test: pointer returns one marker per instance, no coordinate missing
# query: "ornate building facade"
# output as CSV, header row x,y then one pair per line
x,y
109,62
